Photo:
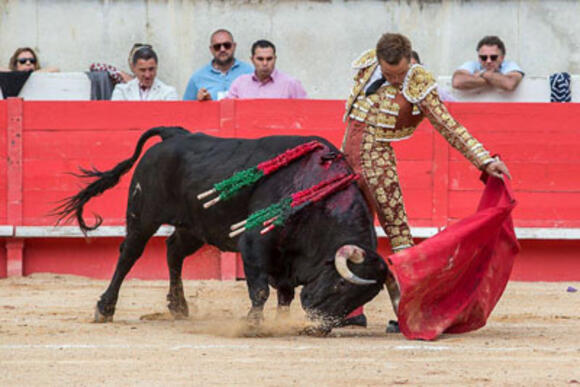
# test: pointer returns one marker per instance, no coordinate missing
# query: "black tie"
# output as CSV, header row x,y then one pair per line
x,y
375,86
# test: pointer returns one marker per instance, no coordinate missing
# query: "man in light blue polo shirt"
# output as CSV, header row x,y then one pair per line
x,y
213,81
490,70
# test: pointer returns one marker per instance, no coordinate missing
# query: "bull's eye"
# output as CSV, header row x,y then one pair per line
x,y
340,285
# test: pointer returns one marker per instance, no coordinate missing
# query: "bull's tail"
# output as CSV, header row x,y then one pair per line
x,y
73,206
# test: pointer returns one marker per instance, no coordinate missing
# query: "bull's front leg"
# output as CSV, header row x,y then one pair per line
x,y
259,292
285,297
254,257
395,295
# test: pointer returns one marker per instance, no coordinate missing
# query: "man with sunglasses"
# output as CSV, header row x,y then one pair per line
x,y
213,81
491,69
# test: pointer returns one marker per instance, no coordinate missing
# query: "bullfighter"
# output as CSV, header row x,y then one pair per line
x,y
387,102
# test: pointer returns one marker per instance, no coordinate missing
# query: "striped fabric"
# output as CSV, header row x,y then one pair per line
x,y
560,87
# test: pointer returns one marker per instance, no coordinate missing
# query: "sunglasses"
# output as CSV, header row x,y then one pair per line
x,y
26,60
226,45
492,57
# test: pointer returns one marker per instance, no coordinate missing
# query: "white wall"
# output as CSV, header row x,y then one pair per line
x,y
316,40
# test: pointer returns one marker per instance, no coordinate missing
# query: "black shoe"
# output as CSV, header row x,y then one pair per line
x,y
359,321
393,326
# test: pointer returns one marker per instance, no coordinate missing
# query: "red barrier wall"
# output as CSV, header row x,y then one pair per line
x,y
41,142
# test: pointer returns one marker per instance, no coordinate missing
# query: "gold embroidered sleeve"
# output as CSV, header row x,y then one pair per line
x,y
365,60
454,132
418,84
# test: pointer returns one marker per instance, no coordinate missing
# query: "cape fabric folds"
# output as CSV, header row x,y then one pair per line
x,y
451,282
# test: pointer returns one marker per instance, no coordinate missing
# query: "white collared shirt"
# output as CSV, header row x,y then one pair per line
x,y
131,91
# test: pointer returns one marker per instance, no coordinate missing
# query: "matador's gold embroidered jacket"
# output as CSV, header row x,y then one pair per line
x,y
395,114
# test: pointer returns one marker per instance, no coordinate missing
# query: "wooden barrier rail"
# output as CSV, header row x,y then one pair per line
x,y
41,142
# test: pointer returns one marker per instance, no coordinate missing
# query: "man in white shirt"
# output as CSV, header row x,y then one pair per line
x,y
145,86
490,70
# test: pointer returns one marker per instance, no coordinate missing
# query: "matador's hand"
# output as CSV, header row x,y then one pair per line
x,y
497,168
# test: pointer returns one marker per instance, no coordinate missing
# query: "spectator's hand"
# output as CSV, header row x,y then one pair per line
x,y
497,168
203,95
126,77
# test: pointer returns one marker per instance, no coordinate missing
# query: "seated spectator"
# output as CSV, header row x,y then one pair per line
x,y
104,76
490,70
22,63
116,75
146,86
213,81
25,59
266,81
444,95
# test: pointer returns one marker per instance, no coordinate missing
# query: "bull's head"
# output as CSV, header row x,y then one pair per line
x,y
338,290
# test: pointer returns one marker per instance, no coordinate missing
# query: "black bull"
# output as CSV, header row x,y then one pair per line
x,y
307,251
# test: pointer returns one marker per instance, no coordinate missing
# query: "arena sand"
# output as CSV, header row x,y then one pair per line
x,y
47,338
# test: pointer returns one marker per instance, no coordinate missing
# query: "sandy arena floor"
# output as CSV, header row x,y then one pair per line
x,y
47,338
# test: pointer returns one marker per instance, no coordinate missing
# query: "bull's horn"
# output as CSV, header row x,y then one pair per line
x,y
352,253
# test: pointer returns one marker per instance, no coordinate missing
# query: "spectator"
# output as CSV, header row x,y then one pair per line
x,y
25,59
266,81
490,70
22,63
116,75
444,95
213,81
146,86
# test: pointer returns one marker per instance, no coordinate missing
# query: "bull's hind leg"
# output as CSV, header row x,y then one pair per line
x,y
130,251
179,245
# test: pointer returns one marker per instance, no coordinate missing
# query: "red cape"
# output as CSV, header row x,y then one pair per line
x,y
451,282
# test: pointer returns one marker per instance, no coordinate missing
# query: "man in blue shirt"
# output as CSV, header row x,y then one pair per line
x,y
490,70
213,81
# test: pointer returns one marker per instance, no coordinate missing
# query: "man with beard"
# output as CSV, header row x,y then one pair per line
x,y
388,100
266,81
213,81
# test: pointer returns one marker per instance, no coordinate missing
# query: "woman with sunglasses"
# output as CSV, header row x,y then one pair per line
x,y
25,59
22,63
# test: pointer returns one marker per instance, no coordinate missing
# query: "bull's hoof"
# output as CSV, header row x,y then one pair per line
x,y
177,305
179,315
316,330
101,318
393,327
255,317
179,312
